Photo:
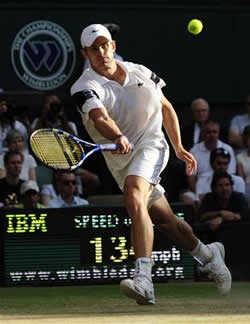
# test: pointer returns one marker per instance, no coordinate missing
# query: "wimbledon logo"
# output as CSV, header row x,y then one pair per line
x,y
43,55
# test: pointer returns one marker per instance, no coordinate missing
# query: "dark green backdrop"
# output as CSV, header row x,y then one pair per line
x,y
214,64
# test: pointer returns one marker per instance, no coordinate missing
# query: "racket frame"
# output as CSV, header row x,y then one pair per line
x,y
80,142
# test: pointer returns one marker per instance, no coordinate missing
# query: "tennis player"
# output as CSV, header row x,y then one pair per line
x,y
123,103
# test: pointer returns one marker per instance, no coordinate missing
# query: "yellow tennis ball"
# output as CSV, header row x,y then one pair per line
x,y
195,26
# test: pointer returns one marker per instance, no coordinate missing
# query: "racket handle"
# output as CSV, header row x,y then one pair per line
x,y
112,147
109,147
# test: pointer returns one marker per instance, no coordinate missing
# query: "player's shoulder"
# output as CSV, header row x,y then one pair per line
x,y
144,71
88,80
137,67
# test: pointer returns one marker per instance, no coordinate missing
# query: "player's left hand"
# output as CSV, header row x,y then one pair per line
x,y
185,156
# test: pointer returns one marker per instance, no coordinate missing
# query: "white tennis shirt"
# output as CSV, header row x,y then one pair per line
x,y
134,106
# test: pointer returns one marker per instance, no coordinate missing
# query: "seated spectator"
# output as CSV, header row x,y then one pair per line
x,y
219,161
202,150
30,196
54,116
15,142
87,183
66,186
25,116
222,204
237,125
8,122
243,161
10,185
49,191
200,111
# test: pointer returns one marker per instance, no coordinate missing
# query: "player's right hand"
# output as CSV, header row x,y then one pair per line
x,y
125,145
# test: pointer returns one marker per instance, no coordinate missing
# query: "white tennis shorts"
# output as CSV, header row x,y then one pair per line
x,y
147,163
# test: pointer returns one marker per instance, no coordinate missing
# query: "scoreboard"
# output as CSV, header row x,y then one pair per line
x,y
80,245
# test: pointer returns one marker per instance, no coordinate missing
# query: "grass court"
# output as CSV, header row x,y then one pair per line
x,y
176,302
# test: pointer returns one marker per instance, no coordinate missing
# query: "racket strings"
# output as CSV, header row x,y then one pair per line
x,y
56,150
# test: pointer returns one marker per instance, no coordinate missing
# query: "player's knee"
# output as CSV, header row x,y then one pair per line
x,y
134,202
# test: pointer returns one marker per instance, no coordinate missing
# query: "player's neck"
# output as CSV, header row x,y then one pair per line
x,y
116,73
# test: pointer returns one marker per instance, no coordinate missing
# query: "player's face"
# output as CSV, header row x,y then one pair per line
x,y
223,188
100,54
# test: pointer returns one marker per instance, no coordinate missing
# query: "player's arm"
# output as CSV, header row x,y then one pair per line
x,y
109,129
172,127
88,102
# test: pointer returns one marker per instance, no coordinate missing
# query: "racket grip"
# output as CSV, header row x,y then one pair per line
x,y
109,147
112,147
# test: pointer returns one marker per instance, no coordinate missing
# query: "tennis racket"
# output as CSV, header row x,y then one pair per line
x,y
60,150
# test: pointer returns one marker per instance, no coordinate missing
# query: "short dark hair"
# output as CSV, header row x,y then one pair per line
x,y
219,152
9,154
114,29
220,175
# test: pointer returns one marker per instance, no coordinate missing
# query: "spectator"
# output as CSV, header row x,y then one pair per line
x,y
200,111
50,191
237,125
25,116
15,142
222,204
66,186
8,122
54,116
219,161
243,160
10,185
87,183
201,152
174,178
30,196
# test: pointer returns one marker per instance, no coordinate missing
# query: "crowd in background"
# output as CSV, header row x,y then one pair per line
x,y
222,154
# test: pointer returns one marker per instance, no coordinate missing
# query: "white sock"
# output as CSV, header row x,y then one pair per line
x,y
201,253
143,267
